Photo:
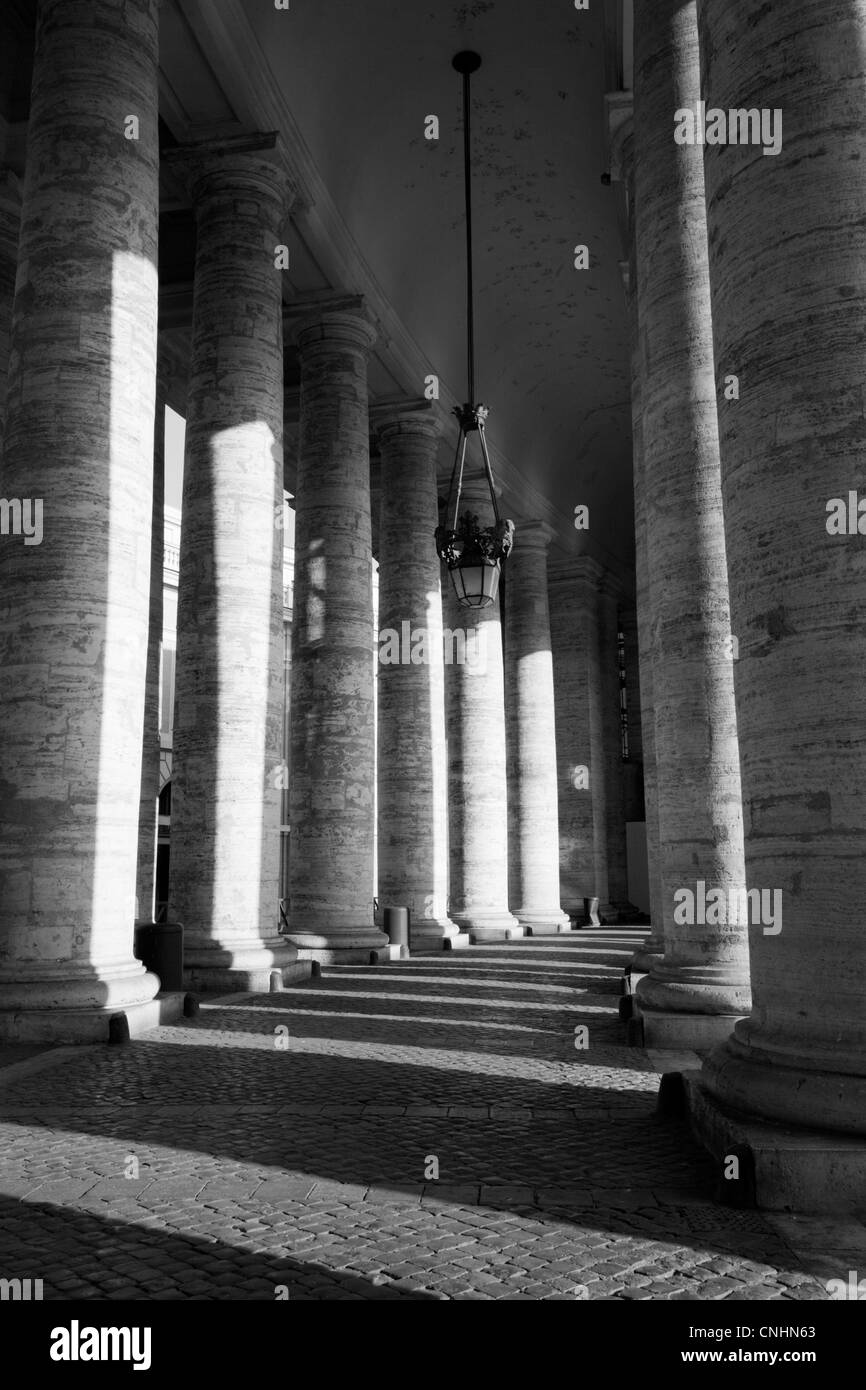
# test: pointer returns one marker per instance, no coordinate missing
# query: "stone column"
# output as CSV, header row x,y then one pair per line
x,y
332,718
633,769
652,950
533,818
477,783
74,592
412,762
619,907
695,995
225,783
148,818
573,663
10,224
787,261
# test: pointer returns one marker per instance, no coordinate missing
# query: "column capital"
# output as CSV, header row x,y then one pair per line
x,y
412,415
534,534
214,169
583,570
326,321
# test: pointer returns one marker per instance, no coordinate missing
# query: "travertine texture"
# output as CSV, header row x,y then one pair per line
x,y
477,782
79,438
705,967
412,813
10,225
653,947
789,304
533,818
332,715
225,785
632,771
148,819
611,738
572,632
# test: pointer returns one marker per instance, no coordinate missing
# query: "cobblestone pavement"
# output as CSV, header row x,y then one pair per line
x,y
423,1129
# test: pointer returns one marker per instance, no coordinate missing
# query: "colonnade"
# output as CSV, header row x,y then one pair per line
x,y
747,329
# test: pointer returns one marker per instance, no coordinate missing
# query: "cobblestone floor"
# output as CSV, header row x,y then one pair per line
x,y
289,1145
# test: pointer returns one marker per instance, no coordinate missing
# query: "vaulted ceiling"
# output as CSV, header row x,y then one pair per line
x,y
349,87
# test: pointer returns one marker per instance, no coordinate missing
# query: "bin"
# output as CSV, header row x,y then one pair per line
x,y
159,947
397,926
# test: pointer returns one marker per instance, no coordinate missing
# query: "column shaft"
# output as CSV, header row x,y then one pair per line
x,y
10,224
412,763
332,717
571,633
787,263
653,947
148,820
477,782
225,784
533,818
619,907
704,972
74,592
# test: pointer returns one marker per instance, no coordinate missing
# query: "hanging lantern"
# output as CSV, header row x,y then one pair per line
x,y
472,553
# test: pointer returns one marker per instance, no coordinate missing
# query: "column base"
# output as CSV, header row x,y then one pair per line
x,y
90,1025
488,926
363,946
552,923
779,1168
253,967
674,988
456,943
479,934
431,936
666,1028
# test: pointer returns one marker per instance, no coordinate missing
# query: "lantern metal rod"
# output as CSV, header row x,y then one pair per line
x,y
467,63
488,470
461,455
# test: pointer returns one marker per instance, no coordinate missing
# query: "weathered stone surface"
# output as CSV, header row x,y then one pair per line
x,y
412,813
10,225
79,438
786,256
533,819
148,820
477,783
611,735
227,729
332,715
575,663
705,967
653,948
635,808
